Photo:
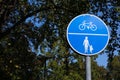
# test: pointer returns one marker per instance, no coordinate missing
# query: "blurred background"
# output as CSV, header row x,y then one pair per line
x,y
33,43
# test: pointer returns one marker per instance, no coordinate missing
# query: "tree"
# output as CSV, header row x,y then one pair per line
x,y
20,37
106,11
115,68
98,72
33,42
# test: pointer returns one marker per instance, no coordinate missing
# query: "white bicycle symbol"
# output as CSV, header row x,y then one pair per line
x,y
88,25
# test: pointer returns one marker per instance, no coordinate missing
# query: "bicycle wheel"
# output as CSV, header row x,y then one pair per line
x,y
93,28
81,27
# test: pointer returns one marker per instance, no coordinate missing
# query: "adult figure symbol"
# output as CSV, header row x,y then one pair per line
x,y
86,44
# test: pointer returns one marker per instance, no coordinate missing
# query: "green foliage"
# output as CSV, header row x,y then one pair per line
x,y
33,43
98,72
115,68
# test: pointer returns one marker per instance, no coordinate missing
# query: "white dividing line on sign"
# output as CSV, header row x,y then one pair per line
x,y
88,34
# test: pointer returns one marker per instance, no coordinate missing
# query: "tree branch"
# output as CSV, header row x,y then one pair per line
x,y
23,18
5,33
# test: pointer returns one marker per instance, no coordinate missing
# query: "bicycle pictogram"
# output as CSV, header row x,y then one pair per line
x,y
88,25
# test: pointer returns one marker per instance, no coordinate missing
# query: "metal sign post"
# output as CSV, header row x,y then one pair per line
x,y
88,68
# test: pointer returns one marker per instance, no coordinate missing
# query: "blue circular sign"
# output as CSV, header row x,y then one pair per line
x,y
87,34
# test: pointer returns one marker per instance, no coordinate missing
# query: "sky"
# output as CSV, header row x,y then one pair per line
x,y
102,58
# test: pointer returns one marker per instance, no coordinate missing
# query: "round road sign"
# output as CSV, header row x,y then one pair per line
x,y
87,34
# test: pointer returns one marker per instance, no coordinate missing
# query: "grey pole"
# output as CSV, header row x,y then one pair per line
x,y
88,68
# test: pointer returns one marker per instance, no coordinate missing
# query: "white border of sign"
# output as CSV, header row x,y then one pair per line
x,y
84,53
